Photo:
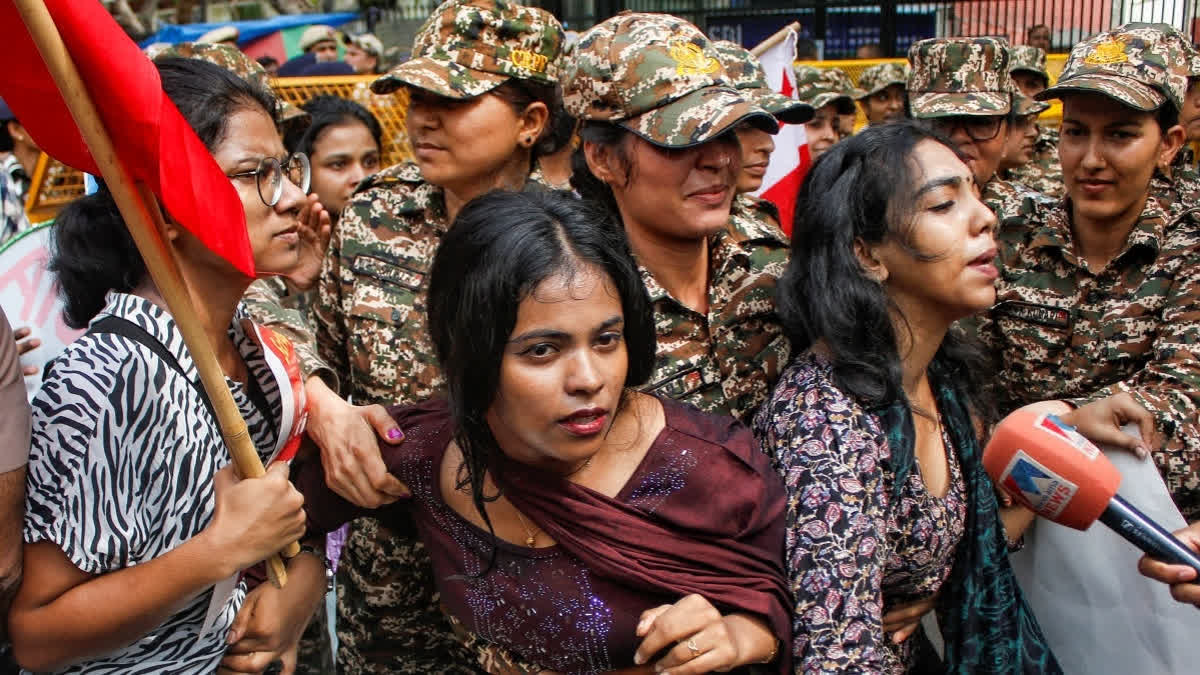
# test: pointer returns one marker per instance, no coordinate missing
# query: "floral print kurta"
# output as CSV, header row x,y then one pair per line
x,y
853,549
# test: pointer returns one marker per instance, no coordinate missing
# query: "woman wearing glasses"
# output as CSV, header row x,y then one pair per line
x,y
1098,301
961,88
131,518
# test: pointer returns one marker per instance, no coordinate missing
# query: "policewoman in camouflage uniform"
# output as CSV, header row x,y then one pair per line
x,y
660,151
881,93
482,84
1027,66
832,95
961,88
1179,186
746,75
1098,301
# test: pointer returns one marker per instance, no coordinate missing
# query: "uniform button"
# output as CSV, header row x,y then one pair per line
x,y
395,315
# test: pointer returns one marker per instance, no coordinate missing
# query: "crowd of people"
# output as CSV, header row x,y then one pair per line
x,y
574,402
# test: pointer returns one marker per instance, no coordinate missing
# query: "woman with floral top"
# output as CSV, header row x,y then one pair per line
x,y
873,425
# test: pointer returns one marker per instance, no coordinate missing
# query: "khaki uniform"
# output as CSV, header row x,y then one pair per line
x,y
1062,330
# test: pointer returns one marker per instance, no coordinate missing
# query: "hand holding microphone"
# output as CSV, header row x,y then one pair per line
x,y
1048,467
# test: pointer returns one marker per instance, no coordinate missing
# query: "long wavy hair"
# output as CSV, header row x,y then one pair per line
x,y
864,189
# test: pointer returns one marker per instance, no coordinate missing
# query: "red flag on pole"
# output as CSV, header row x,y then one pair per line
x,y
151,137
790,160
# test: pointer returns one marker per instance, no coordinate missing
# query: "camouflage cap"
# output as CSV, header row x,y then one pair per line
x,y
1029,59
1023,105
1142,65
746,75
959,76
232,59
819,87
881,76
469,47
659,77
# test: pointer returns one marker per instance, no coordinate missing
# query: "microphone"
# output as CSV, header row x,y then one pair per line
x,y
1051,469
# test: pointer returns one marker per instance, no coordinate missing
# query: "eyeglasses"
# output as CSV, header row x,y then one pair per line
x,y
978,127
271,171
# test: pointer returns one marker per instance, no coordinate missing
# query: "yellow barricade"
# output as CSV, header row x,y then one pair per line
x,y
854,68
54,184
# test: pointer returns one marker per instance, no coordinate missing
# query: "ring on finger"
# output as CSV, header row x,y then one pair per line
x,y
691,645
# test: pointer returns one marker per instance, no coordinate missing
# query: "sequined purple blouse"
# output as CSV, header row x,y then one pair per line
x,y
543,603
853,551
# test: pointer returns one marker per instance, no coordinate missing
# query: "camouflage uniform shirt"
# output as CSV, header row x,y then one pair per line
x,y
1062,330
369,319
727,360
269,302
1181,191
1043,173
1006,198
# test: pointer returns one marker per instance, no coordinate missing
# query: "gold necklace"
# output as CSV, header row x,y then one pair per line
x,y
530,535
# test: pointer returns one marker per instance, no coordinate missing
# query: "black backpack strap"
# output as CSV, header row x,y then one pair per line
x,y
127,329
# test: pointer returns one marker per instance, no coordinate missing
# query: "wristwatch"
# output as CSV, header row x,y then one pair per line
x,y
306,548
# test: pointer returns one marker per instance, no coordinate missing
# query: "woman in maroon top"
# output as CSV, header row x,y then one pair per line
x,y
577,523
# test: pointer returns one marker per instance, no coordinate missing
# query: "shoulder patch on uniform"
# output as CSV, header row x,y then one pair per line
x,y
404,172
747,223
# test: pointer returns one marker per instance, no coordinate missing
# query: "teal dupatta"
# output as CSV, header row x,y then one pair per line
x,y
987,625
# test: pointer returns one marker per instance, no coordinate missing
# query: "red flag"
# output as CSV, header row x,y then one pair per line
x,y
790,160
151,137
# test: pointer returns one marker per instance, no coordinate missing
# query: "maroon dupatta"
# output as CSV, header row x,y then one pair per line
x,y
728,548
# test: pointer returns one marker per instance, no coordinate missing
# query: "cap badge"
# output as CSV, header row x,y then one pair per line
x,y
523,58
1107,52
690,59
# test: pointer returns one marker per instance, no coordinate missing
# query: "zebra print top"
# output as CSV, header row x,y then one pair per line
x,y
121,468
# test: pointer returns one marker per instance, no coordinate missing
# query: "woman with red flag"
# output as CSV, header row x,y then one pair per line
x,y
131,520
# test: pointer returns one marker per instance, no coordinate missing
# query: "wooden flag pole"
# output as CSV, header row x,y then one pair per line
x,y
775,39
143,217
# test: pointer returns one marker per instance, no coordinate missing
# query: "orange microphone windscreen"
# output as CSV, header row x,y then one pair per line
x,y
1050,468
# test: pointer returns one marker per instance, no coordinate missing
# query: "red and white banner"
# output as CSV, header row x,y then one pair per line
x,y
29,296
281,356
790,160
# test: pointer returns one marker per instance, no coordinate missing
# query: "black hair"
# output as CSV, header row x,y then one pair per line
x,y
328,111
1166,116
267,61
93,252
500,247
583,180
6,139
864,189
519,93
807,50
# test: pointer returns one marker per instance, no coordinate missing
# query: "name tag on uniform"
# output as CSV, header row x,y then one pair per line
x,y
393,272
681,384
1043,315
